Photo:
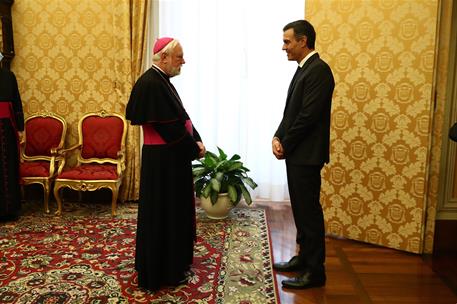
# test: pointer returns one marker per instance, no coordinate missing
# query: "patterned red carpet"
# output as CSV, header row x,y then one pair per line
x,y
89,259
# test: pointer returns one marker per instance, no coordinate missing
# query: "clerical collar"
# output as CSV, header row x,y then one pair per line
x,y
306,58
157,67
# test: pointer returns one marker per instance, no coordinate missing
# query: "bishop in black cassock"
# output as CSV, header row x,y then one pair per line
x,y
166,213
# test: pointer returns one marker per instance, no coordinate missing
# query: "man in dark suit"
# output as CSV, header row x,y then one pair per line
x,y
302,139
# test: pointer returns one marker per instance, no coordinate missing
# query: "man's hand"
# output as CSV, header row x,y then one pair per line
x,y
277,148
202,149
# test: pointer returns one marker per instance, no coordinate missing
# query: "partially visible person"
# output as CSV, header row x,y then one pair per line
x,y
166,229
453,132
11,127
303,139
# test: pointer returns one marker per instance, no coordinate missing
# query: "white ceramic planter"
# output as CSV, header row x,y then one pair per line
x,y
220,209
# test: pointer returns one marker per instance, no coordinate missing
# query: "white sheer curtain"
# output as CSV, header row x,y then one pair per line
x,y
235,79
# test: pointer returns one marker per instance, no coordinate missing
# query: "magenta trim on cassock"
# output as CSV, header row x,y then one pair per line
x,y
152,137
6,109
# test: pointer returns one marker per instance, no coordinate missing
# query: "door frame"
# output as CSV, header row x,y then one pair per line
x,y
446,208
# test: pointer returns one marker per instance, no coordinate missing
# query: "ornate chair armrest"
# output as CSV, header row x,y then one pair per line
x,y
22,148
56,158
120,161
62,154
121,155
52,165
56,151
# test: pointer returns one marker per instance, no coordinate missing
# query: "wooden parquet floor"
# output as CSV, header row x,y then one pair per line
x,y
357,272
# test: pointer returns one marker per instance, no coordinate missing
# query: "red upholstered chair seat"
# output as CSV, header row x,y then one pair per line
x,y
35,169
90,172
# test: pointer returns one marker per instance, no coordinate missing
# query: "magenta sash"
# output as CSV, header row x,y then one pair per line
x,y
6,110
152,137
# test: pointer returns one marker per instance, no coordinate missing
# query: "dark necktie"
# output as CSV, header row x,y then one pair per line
x,y
293,79
297,71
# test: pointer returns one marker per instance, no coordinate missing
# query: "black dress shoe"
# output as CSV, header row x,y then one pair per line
x,y
295,264
305,280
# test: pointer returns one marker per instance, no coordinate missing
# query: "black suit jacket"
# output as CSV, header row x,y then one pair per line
x,y
304,131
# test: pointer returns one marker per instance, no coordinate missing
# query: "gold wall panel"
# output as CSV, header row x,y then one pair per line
x,y
382,55
72,57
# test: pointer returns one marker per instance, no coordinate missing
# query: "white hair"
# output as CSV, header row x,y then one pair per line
x,y
167,49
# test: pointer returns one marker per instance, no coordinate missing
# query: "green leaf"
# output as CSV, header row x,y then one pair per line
x,y
197,171
210,155
235,166
231,190
219,176
246,195
222,155
200,160
214,196
199,187
249,182
206,190
221,165
245,169
235,157
238,195
215,184
210,160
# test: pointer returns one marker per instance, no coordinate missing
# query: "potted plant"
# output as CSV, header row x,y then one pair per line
x,y
221,182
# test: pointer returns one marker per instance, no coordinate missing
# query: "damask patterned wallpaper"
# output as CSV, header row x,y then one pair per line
x,y
382,54
72,57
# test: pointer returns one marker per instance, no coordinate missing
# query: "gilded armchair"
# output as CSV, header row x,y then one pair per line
x,y
100,157
44,136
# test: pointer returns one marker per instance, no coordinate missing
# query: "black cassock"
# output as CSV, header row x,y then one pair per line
x,y
11,121
166,212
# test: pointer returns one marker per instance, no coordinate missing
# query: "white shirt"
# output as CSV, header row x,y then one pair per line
x,y
306,58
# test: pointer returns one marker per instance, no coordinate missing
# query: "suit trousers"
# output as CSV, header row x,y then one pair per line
x,y
304,182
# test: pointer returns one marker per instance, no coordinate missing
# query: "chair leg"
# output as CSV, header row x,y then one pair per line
x,y
46,196
58,199
115,191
